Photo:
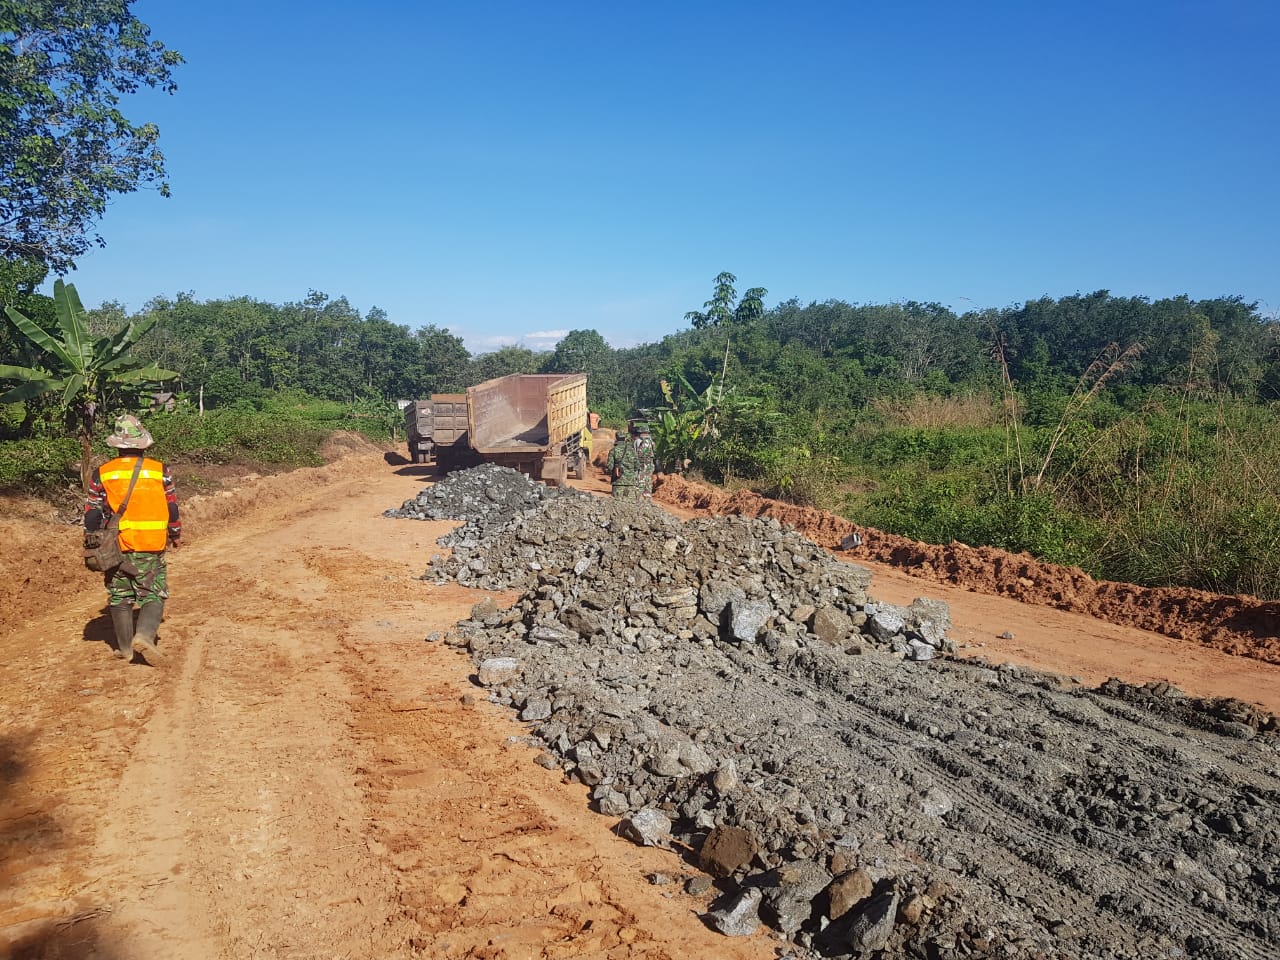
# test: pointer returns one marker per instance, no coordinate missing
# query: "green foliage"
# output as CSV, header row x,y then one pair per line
x,y
800,476
231,436
85,374
380,421
241,350
959,506
585,351
725,308
65,147
937,449
502,363
680,429
37,466
1188,491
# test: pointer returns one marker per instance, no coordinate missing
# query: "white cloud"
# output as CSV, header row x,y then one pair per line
x,y
537,340
488,344
543,339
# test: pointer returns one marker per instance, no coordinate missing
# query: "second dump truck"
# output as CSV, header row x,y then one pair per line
x,y
531,422
419,429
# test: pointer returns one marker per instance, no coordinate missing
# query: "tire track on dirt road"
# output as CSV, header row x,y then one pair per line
x,y
267,791
1001,815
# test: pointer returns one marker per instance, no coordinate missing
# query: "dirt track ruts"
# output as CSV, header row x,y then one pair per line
x,y
300,778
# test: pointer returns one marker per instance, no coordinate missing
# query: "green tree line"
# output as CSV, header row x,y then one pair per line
x,y
1137,438
823,359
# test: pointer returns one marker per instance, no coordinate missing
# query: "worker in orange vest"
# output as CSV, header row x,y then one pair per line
x,y
148,525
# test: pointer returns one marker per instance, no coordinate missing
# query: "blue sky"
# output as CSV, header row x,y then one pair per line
x,y
515,170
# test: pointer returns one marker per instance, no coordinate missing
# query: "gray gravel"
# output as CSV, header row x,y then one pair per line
x,y
726,686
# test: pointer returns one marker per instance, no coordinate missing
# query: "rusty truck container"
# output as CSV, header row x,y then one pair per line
x,y
530,421
418,430
449,419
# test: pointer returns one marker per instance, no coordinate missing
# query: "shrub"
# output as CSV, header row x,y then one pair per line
x,y
935,412
35,466
222,436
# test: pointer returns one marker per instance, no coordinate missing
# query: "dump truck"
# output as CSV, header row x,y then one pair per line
x,y
531,422
418,429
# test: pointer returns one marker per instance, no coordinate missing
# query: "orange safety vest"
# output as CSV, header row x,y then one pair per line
x,y
145,523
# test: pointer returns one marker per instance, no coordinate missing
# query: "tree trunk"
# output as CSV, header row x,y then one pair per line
x,y
86,460
84,432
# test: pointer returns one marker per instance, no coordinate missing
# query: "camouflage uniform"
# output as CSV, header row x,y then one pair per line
x,y
141,579
645,451
631,464
624,466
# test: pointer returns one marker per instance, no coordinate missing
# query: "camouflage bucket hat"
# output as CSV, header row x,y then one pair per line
x,y
129,433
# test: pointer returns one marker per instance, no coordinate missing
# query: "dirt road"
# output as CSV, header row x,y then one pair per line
x,y
304,777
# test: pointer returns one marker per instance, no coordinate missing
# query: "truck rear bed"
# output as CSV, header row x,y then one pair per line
x,y
526,412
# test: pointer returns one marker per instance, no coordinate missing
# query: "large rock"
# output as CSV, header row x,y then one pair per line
x,y
886,622
715,597
647,827
581,621
789,892
873,925
727,850
740,917
831,625
931,619
498,671
847,891
747,618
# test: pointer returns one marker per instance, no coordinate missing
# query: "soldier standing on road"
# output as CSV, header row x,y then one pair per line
x,y
623,467
645,450
630,463
150,523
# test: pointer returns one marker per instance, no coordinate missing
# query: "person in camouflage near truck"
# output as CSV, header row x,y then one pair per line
x,y
648,456
150,523
630,464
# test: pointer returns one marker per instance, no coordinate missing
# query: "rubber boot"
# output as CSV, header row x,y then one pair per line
x,y
149,617
122,620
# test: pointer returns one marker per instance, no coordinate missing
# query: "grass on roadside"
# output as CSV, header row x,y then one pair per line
x,y
286,432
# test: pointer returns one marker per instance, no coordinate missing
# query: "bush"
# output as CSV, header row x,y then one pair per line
x,y
34,466
804,479
938,449
223,436
970,508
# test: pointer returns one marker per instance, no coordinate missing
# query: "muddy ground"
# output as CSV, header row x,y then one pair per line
x,y
304,776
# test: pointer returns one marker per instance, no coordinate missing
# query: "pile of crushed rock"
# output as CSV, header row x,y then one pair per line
x,y
728,689
486,497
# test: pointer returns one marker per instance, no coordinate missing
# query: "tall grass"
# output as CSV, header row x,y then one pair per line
x,y
1183,491
1189,493
930,412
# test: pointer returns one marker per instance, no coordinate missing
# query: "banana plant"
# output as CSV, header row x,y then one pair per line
x,y
83,371
682,428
